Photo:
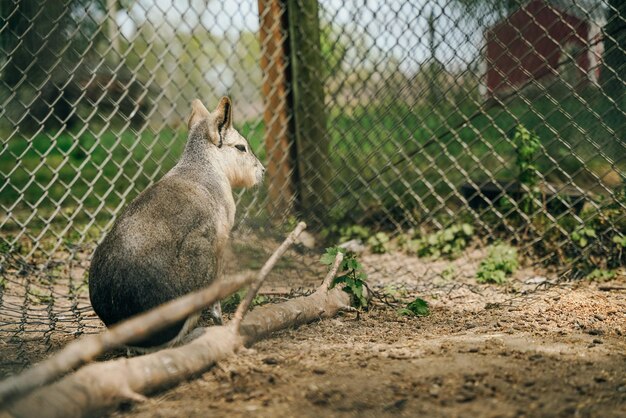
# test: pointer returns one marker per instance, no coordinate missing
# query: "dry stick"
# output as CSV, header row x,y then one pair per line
x,y
89,347
267,267
100,386
328,280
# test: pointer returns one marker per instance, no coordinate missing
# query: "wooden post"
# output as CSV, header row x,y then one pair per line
x,y
296,138
280,149
309,111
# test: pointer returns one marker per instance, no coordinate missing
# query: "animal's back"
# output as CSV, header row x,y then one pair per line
x,y
163,246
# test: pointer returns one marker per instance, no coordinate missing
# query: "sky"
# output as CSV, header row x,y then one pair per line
x,y
391,29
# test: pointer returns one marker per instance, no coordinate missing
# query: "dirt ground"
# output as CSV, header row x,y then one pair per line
x,y
534,347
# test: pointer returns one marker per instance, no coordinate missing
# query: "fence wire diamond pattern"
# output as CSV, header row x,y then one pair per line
x,y
402,116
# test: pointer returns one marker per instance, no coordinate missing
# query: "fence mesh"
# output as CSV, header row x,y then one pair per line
x,y
409,118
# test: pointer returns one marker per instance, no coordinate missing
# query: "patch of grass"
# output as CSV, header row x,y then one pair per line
x,y
501,262
408,173
80,171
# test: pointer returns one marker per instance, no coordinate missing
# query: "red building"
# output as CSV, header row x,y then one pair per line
x,y
541,39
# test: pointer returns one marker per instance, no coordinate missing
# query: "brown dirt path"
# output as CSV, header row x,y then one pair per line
x,y
532,348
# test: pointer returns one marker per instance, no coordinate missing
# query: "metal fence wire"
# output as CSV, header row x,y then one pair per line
x,y
407,118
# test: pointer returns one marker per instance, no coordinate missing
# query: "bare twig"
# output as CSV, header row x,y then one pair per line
x,y
328,280
89,347
267,267
100,386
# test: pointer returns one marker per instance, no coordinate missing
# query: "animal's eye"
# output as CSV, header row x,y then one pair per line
x,y
241,148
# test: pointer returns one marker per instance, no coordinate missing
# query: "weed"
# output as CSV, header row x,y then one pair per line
x,y
336,233
527,144
500,263
620,241
419,307
5,245
583,235
379,243
353,280
260,300
445,243
229,304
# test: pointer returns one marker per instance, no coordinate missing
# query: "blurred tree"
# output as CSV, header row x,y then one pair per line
x,y
51,51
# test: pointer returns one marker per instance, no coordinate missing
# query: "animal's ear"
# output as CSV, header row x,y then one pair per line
x,y
198,112
223,117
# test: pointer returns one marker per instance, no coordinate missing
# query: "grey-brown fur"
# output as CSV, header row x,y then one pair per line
x,y
169,241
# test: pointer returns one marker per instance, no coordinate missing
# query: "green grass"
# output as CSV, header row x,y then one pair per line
x,y
385,144
78,173
388,144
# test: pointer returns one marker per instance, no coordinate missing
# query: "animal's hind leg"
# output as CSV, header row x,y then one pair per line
x,y
216,313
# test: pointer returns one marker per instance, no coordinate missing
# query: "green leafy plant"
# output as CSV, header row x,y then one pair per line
x,y
229,304
527,144
418,307
501,262
379,243
583,236
346,233
448,242
353,279
620,241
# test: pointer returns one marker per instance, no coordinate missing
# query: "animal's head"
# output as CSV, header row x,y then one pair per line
x,y
231,151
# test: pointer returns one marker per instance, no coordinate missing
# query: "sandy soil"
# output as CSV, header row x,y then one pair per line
x,y
528,349
532,348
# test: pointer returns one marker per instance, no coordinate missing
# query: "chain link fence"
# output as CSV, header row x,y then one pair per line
x,y
408,118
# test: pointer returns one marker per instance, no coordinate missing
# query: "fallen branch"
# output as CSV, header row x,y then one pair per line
x,y
86,349
100,386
